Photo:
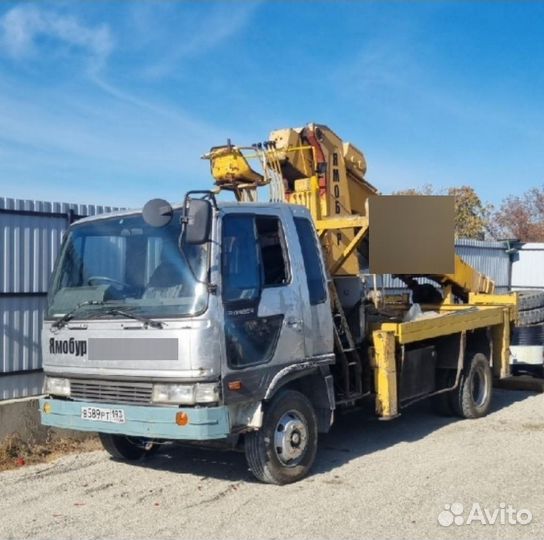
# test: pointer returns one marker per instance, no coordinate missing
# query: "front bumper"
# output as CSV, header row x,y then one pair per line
x,y
205,423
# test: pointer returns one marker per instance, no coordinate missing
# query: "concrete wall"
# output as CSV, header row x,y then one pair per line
x,y
21,417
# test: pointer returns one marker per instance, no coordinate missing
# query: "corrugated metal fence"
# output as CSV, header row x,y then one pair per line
x,y
30,236
489,258
528,267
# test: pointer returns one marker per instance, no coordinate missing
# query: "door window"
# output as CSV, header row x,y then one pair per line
x,y
313,269
254,255
273,251
240,259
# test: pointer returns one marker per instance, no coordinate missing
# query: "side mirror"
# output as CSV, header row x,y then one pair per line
x,y
198,223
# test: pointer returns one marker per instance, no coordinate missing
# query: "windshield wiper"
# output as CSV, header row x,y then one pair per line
x,y
59,323
146,320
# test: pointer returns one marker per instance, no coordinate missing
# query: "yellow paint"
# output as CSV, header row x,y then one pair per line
x,y
330,224
501,346
385,374
228,164
469,279
349,249
507,299
451,320
343,190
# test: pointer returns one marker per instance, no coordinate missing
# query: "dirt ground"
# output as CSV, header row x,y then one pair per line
x,y
16,451
372,479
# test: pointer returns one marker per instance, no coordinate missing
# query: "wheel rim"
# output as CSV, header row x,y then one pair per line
x,y
290,438
479,389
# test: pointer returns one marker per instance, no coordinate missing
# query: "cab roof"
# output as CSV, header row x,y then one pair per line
x,y
221,205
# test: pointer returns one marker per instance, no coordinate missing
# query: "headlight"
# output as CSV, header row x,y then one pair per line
x,y
174,393
206,392
186,394
56,386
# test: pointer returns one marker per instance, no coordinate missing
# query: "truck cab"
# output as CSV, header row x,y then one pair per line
x,y
154,333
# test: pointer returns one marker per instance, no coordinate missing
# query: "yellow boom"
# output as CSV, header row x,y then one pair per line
x,y
314,167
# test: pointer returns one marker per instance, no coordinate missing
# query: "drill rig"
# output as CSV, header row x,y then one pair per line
x,y
313,167
248,323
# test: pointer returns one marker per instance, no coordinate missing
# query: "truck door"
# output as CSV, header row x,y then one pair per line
x,y
261,295
318,327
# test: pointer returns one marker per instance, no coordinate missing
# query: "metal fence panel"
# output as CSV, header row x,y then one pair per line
x,y
21,320
528,268
489,258
30,236
22,385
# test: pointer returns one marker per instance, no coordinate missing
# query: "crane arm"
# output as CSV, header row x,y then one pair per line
x,y
314,167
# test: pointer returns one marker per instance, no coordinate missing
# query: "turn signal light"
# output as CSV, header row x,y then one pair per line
x,y
182,418
234,385
47,408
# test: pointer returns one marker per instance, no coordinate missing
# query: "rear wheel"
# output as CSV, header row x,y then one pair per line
x,y
472,398
284,449
127,448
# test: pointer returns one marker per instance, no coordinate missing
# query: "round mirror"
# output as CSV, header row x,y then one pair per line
x,y
157,212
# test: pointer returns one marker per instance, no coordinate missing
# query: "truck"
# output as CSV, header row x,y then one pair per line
x,y
249,324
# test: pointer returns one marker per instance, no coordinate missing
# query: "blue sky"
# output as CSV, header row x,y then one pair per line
x,y
115,102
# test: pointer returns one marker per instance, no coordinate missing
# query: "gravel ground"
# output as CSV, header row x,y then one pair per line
x,y
372,479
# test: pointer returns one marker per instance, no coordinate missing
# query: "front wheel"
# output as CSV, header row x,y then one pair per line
x,y
126,448
284,449
472,398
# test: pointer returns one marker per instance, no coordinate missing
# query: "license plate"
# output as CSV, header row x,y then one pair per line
x,y
98,414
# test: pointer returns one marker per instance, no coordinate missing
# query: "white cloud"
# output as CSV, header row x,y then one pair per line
x,y
23,25
104,138
199,33
101,147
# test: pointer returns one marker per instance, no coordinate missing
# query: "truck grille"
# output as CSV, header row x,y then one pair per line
x,y
111,392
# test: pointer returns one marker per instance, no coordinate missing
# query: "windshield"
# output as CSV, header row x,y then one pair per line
x,y
124,262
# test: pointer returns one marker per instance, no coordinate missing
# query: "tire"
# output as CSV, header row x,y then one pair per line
x,y
527,335
530,316
275,457
530,299
472,398
125,448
